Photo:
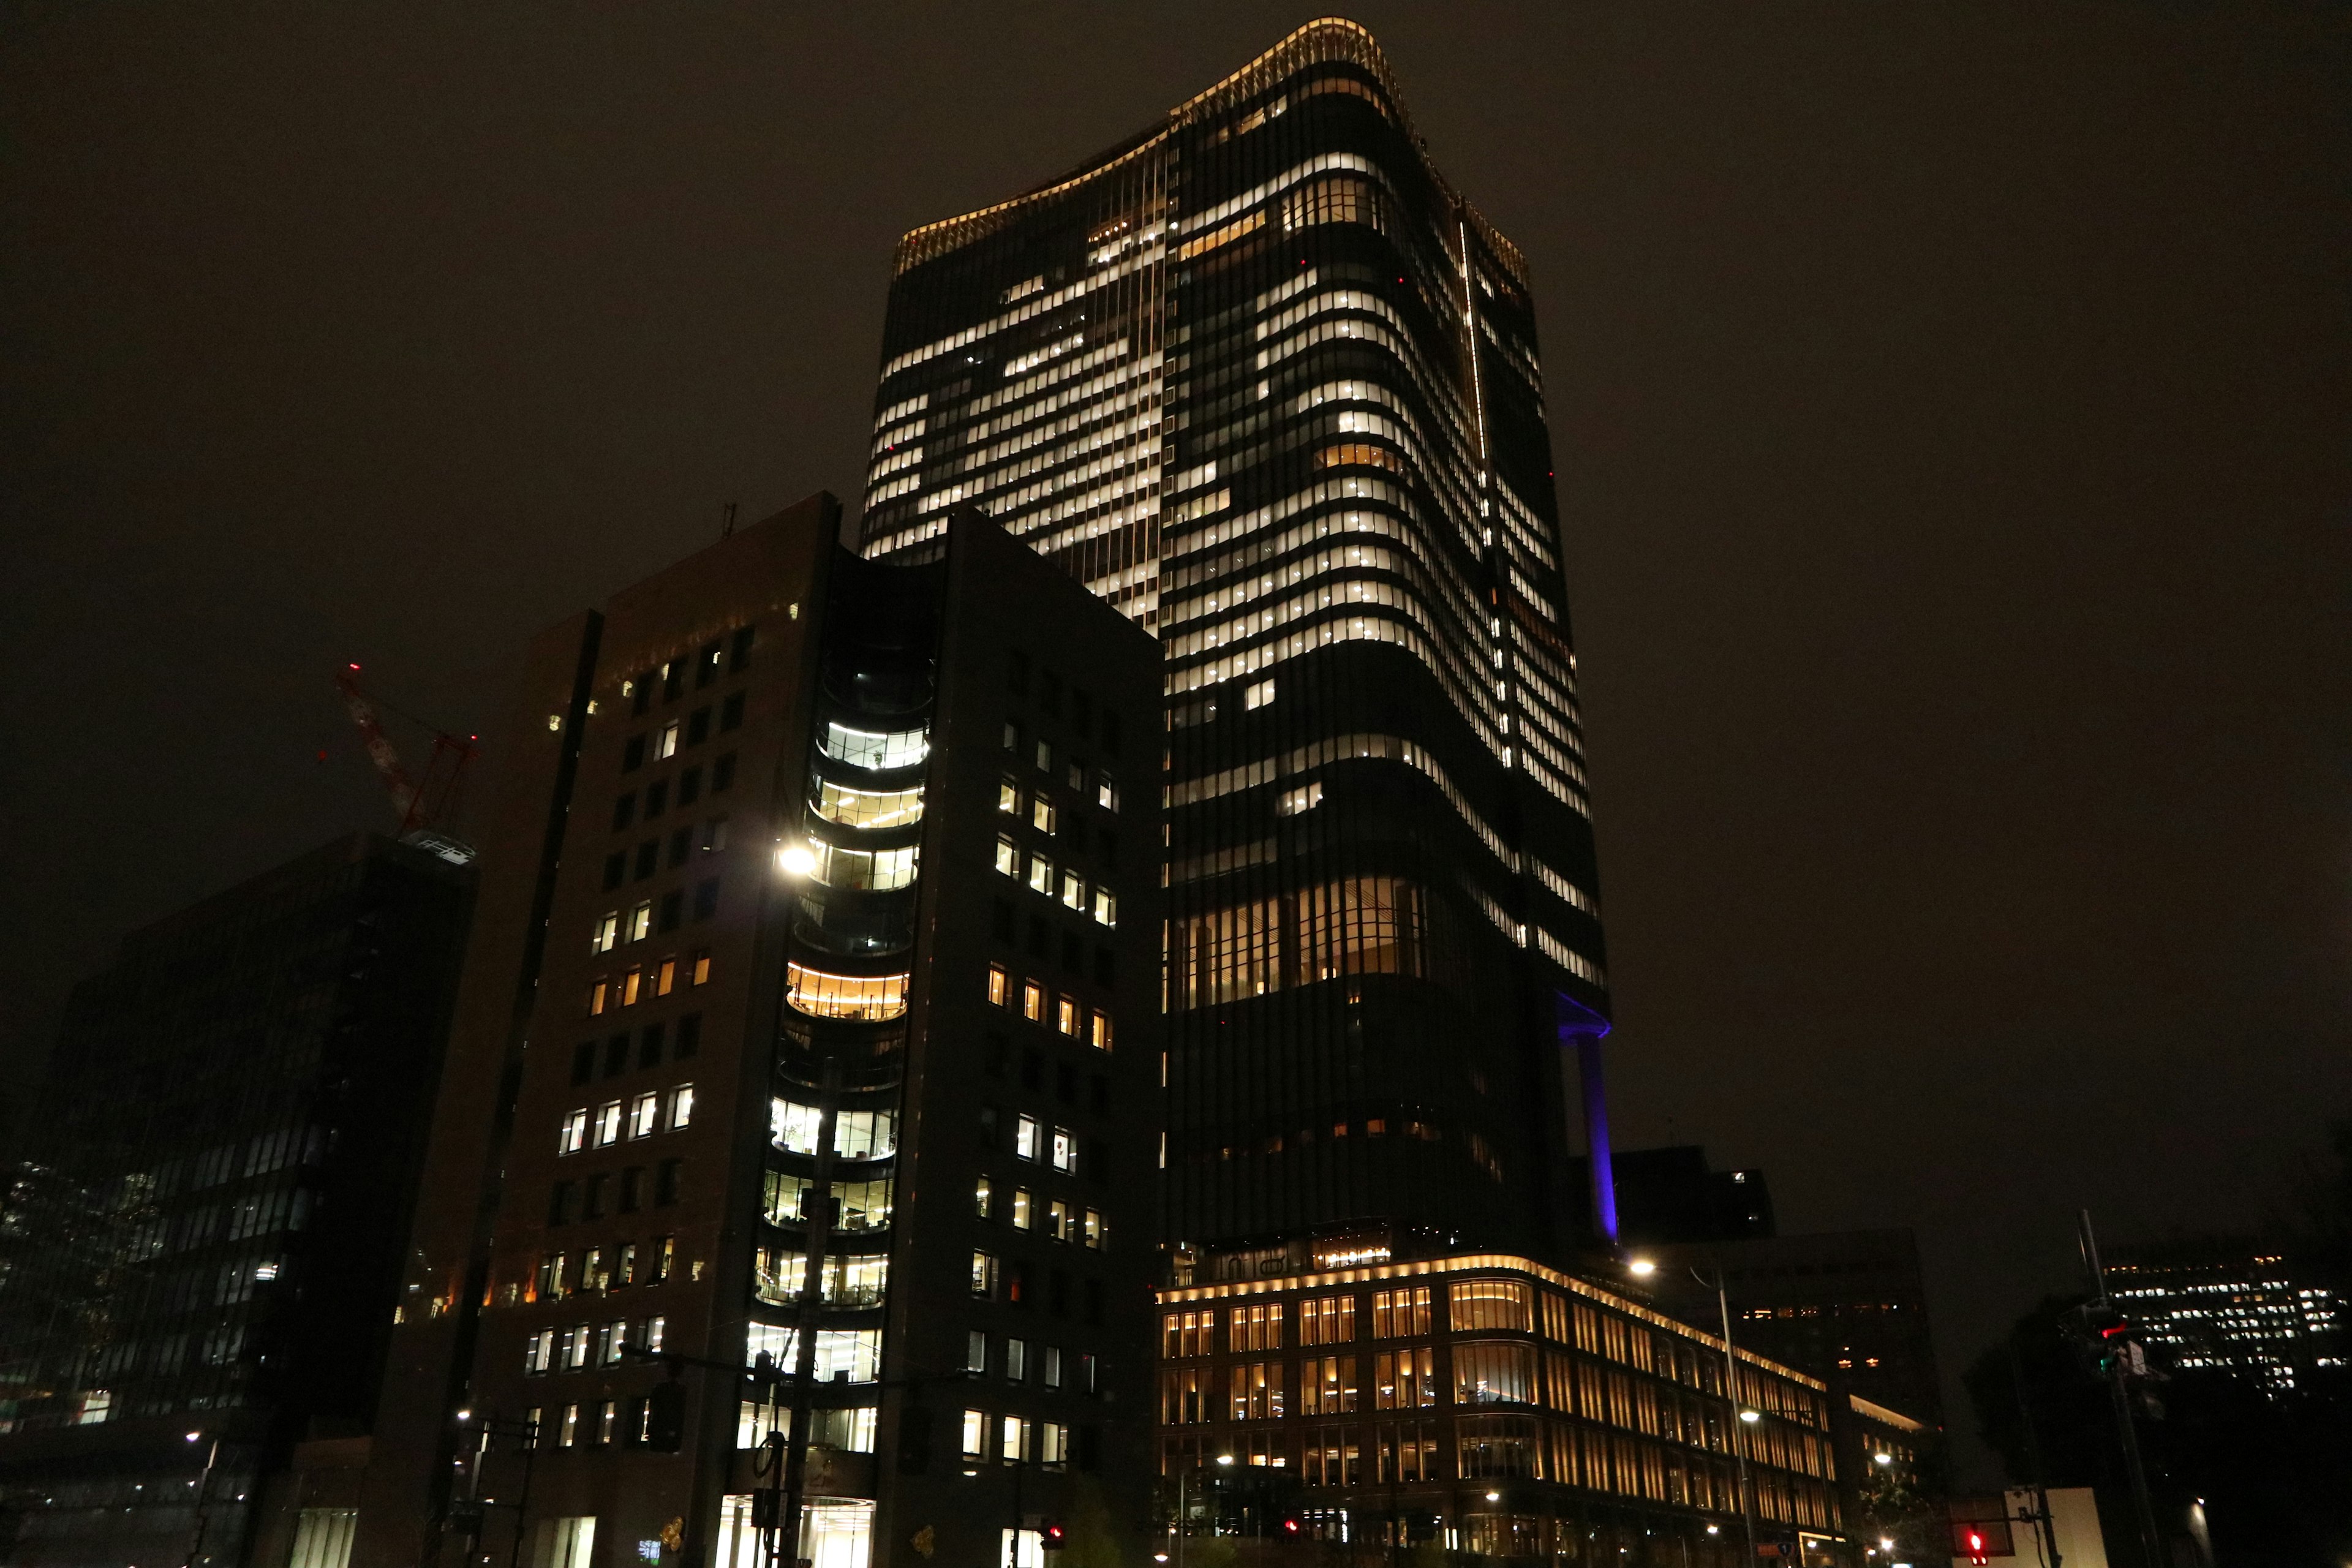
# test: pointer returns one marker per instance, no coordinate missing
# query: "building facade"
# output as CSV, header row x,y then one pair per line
x,y
202,1248
1484,1403
823,1110
1262,380
1849,1307
2232,1304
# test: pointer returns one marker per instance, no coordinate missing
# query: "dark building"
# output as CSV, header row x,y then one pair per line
x,y
1259,377
203,1245
1669,1195
810,1021
1848,1305
1484,1404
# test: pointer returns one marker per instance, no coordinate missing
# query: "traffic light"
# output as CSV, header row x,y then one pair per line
x,y
1976,1541
666,1417
1291,1528
1052,1536
2105,1337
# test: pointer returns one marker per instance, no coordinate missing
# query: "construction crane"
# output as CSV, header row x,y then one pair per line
x,y
426,807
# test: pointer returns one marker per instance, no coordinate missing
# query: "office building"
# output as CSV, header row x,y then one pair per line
x,y
202,1245
1849,1307
1484,1403
1259,377
2231,1304
808,1029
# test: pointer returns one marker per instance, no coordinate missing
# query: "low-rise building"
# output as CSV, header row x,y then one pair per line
x,y
1485,1402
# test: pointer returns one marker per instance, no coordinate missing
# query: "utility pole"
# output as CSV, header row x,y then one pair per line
x,y
2040,1518
2151,1543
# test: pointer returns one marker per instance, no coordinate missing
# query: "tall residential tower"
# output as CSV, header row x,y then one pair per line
x,y
1260,377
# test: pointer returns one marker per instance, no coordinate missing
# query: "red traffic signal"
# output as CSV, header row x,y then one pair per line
x,y
1977,1547
1052,1536
1290,1527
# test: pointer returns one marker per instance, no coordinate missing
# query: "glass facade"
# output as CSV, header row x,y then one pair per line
x,y
1264,380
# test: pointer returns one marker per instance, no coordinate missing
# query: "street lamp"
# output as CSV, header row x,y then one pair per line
x,y
1642,1268
796,860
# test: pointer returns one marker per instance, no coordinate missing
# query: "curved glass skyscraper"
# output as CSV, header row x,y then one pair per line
x,y
1261,378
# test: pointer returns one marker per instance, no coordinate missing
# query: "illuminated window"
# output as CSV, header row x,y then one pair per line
x,y
1493,1304
1326,1320
975,1434
596,998
794,1127
1042,815
666,745
824,995
1359,454
1254,1391
1257,695
681,1106
1025,1137
1305,798
983,1199
644,1111
1092,1234
1065,1015
1187,1333
1041,875
1022,1219
1327,1384
702,965
1065,1149
573,1137
1361,925
641,922
1106,907
1008,857
608,934
608,1123
1106,792
983,1274
1008,797
665,977
878,870
1098,1034
1254,1327
1401,1313
1074,890
631,984
997,985
1494,1371
868,808
1033,1001
866,749
1404,1380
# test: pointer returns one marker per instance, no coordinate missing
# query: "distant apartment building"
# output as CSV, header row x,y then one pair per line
x,y
202,1245
2231,1304
806,1061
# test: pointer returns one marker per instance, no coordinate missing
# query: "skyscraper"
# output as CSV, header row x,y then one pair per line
x,y
1260,377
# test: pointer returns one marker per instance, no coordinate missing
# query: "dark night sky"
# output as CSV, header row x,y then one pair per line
x,y
1951,415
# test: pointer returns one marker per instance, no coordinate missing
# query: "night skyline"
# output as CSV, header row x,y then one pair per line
x,y
1949,456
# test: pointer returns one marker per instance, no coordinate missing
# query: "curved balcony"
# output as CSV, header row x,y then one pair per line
x,y
853,925
868,810
824,993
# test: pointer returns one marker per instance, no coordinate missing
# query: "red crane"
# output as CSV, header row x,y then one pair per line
x,y
426,805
